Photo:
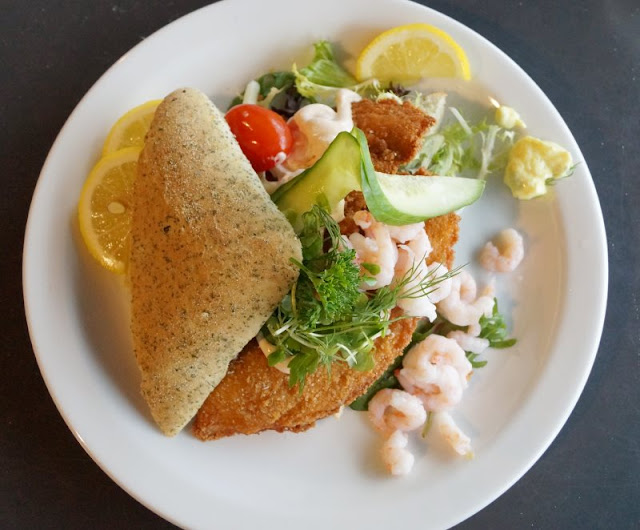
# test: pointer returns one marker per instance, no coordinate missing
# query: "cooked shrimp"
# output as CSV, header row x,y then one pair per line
x,y
411,260
461,307
443,393
392,410
403,234
411,299
419,244
469,342
375,247
504,253
452,434
436,371
395,456
443,288
474,329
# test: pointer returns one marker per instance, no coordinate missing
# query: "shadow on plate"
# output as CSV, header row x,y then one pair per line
x,y
104,310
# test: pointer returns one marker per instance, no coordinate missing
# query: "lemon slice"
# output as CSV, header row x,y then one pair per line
x,y
412,52
104,208
131,128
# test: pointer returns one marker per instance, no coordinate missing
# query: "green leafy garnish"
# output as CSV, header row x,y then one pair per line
x,y
277,92
494,329
326,317
386,380
328,286
321,78
269,84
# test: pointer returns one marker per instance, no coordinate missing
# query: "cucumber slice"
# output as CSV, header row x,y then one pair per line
x,y
392,199
410,199
326,183
405,199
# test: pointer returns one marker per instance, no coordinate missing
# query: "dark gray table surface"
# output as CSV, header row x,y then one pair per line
x,y
585,55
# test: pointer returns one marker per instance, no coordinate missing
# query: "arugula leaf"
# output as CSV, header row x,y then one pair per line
x,y
494,329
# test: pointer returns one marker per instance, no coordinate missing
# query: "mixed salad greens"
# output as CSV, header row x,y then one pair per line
x,y
458,148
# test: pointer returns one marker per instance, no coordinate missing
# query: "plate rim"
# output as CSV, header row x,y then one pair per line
x,y
596,332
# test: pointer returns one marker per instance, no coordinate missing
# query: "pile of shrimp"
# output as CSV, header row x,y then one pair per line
x,y
433,376
399,252
435,372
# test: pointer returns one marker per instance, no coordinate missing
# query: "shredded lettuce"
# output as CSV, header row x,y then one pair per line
x,y
464,148
432,145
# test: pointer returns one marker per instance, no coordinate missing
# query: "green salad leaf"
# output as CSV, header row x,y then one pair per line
x,y
494,329
323,76
277,92
325,70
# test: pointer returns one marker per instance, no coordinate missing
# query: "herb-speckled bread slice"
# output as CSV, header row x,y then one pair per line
x,y
209,258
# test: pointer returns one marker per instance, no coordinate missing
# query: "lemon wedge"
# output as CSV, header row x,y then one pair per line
x,y
131,128
412,52
104,208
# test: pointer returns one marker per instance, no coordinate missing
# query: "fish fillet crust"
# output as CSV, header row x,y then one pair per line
x,y
210,256
254,397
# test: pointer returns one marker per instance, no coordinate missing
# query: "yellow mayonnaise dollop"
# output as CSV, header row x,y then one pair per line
x,y
532,163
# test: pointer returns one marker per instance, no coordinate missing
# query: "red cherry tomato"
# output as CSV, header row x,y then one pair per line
x,y
261,133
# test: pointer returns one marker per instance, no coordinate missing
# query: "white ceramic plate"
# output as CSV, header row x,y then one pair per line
x,y
327,477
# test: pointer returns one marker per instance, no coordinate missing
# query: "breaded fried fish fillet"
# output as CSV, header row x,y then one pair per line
x,y
254,397
209,260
